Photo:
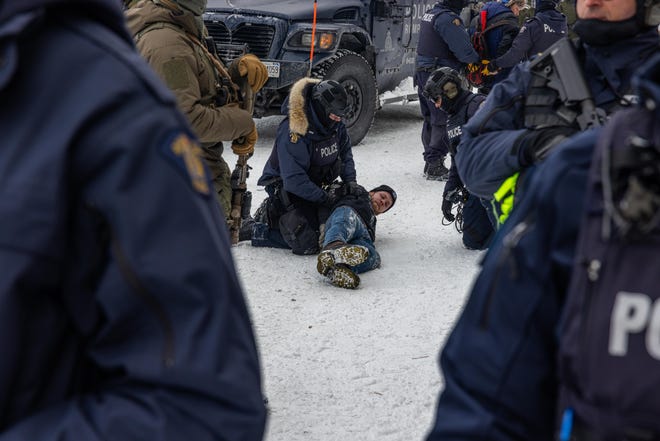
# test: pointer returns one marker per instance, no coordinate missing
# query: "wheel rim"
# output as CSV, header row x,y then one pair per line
x,y
353,91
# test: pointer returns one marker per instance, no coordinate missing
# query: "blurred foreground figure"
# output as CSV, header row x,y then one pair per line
x,y
559,338
121,317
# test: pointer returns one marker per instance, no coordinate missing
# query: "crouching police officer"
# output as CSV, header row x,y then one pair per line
x,y
311,151
446,89
170,35
121,316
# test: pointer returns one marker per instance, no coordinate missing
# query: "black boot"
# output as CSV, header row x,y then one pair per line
x,y
437,171
247,227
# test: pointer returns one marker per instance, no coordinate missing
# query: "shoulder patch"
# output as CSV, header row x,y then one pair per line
x,y
175,74
186,155
457,22
293,137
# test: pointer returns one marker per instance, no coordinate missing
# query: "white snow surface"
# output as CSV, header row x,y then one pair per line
x,y
360,364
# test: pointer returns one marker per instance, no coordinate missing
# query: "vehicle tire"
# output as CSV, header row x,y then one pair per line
x,y
353,72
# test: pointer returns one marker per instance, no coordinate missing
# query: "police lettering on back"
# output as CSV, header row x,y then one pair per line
x,y
547,28
634,313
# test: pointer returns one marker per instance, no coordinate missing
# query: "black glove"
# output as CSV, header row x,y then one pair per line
x,y
446,210
449,198
534,145
333,194
354,189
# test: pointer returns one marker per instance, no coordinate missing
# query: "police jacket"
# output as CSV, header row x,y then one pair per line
x,y
122,317
499,363
443,40
485,157
536,35
306,154
173,45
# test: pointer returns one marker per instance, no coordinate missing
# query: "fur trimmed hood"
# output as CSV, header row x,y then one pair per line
x,y
298,119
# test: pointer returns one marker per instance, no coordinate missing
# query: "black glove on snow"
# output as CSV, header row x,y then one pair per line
x,y
534,145
446,210
449,198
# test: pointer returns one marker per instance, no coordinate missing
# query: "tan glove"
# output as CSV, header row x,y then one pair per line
x,y
487,69
257,74
245,144
472,68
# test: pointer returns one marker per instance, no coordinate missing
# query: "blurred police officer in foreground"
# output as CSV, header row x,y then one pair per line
x,y
500,361
443,41
121,316
516,360
170,35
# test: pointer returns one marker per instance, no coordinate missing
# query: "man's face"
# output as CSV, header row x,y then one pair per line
x,y
381,201
606,10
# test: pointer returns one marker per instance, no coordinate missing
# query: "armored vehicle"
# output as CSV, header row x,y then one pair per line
x,y
367,46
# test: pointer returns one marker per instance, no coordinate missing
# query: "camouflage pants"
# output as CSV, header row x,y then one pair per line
x,y
220,175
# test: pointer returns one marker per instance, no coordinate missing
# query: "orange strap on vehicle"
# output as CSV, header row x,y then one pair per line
x,y
311,49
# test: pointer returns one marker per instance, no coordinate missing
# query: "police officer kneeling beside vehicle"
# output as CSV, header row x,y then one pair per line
x,y
311,151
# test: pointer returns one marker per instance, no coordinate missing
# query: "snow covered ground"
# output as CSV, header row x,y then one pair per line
x,y
360,364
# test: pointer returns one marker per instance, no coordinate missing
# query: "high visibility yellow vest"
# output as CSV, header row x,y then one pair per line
x,y
503,198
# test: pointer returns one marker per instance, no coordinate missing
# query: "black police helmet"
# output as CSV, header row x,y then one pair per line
x,y
330,96
437,80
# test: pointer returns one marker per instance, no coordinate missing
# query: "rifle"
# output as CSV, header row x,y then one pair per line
x,y
560,67
241,199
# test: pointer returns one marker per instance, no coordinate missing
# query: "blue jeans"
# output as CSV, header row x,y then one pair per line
x,y
345,225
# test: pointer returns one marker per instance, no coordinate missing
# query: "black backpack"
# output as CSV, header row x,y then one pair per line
x,y
609,358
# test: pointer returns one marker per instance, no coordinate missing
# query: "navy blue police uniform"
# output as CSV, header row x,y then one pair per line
x,y
488,152
477,227
536,35
122,316
308,155
443,41
500,361
609,356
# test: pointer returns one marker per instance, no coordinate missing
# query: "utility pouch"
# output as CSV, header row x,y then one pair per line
x,y
298,233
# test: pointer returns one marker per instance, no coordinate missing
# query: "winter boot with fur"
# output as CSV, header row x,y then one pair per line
x,y
334,261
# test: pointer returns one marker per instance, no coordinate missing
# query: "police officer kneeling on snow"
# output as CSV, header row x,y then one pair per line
x,y
446,90
311,151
